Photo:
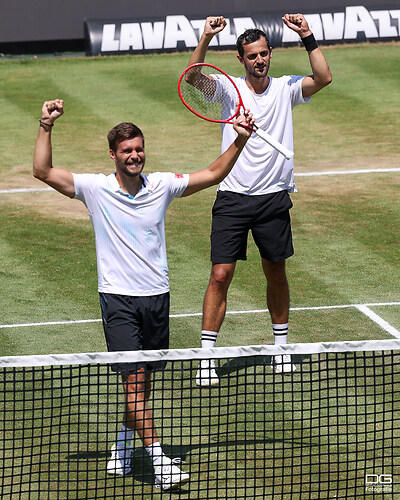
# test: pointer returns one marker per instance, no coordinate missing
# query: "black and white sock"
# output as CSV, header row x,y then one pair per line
x,y
208,339
280,333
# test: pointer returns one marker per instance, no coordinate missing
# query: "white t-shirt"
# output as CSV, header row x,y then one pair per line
x,y
130,231
260,169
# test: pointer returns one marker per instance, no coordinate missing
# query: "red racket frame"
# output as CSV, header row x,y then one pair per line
x,y
261,133
231,119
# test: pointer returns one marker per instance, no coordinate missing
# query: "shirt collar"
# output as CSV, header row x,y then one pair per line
x,y
117,188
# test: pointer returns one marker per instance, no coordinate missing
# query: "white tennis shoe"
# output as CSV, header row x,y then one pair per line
x,y
170,477
282,363
120,462
206,375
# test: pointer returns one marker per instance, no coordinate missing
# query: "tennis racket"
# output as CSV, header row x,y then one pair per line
x,y
213,98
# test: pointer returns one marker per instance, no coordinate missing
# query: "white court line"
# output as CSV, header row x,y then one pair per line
x,y
190,315
298,174
378,320
25,190
50,323
347,172
362,308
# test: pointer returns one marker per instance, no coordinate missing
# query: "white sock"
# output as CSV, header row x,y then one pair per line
x,y
125,437
208,339
280,333
157,455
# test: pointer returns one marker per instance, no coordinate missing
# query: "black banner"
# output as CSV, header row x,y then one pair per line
x,y
180,32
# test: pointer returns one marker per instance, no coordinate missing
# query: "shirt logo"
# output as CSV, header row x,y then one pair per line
x,y
178,176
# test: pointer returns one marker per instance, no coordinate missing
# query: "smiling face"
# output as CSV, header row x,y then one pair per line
x,y
129,156
256,58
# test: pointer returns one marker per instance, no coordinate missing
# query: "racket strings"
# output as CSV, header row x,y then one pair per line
x,y
209,93
212,95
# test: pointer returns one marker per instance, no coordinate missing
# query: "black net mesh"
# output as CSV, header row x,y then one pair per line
x,y
331,429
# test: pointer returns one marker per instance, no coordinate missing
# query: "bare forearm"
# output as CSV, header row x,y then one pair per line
x,y
213,25
221,167
320,69
224,164
217,171
59,179
199,53
42,158
321,74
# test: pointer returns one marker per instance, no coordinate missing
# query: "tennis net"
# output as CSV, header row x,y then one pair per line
x,y
331,429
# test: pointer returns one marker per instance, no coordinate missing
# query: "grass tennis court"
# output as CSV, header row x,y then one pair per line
x,y
313,434
345,227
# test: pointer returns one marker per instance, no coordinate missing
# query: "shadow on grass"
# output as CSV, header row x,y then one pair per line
x,y
239,364
142,469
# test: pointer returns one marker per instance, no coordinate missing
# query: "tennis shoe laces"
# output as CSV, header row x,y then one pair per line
x,y
169,476
282,363
120,462
206,375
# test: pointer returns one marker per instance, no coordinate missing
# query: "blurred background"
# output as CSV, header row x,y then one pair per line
x,y
52,26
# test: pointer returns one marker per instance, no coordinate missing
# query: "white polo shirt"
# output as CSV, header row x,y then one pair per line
x,y
260,169
130,231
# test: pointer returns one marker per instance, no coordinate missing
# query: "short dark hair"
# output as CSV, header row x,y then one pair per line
x,y
249,36
121,132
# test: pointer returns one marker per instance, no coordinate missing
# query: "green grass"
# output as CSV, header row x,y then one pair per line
x,y
345,228
241,440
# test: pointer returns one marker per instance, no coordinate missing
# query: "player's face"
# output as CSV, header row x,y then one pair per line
x,y
256,58
130,156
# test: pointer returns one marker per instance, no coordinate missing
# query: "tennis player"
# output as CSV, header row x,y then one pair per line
x,y
127,209
255,194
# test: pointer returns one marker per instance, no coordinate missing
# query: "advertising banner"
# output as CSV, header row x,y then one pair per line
x,y
180,32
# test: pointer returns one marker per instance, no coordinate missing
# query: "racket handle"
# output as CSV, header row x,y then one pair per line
x,y
274,143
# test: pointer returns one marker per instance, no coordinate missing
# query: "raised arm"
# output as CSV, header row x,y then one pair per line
x,y
212,26
221,167
321,74
57,178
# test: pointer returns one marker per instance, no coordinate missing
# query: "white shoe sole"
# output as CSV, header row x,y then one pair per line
x,y
206,381
283,366
171,481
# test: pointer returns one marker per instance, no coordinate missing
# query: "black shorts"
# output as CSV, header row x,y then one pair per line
x,y
266,216
135,324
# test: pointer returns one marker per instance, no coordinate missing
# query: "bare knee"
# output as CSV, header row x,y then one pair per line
x,y
221,275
